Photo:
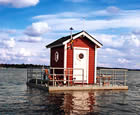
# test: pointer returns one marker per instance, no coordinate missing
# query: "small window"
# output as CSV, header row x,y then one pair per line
x,y
81,55
56,56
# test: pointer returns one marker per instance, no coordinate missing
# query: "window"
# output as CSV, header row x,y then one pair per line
x,y
56,56
81,55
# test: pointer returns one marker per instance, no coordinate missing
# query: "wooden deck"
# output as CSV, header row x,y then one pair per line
x,y
86,88
76,88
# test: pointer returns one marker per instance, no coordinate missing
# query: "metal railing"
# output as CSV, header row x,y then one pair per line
x,y
36,75
111,77
56,76
67,76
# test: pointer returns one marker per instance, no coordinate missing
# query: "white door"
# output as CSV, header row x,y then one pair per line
x,y
80,64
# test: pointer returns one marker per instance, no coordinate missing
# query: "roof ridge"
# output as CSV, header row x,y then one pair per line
x,y
61,40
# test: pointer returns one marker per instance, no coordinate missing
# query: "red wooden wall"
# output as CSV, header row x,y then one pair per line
x,y
85,43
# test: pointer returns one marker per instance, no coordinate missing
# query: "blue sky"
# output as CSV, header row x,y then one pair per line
x,y
26,26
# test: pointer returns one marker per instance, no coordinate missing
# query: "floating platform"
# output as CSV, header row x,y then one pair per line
x,y
76,87
87,87
106,80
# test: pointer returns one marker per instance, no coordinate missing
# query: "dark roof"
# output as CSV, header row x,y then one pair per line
x,y
63,39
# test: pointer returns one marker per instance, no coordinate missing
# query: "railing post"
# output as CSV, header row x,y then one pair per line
x,y
64,75
41,75
27,74
53,76
100,78
115,77
36,78
124,78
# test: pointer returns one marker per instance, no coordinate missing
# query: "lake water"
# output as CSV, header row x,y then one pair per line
x,y
16,98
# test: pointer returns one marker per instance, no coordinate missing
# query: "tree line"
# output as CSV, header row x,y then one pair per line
x,y
22,65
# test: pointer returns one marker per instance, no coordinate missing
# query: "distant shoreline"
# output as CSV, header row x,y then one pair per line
x,y
46,66
117,68
22,66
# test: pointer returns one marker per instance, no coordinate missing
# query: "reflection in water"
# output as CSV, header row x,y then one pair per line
x,y
79,102
97,102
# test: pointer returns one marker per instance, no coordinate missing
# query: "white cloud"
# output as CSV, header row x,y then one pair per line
x,y
19,3
110,40
25,52
110,52
59,15
117,18
8,43
135,40
29,39
37,29
123,60
113,23
20,48
3,55
125,55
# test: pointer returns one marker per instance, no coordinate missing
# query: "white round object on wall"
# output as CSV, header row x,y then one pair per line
x,y
81,56
56,56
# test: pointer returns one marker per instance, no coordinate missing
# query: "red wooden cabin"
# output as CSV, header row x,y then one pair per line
x,y
78,51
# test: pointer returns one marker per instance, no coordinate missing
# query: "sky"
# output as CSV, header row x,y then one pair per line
x,y
27,26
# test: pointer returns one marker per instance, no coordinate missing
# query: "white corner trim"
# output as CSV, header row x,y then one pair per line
x,y
78,35
85,34
95,64
65,56
73,38
65,60
50,56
